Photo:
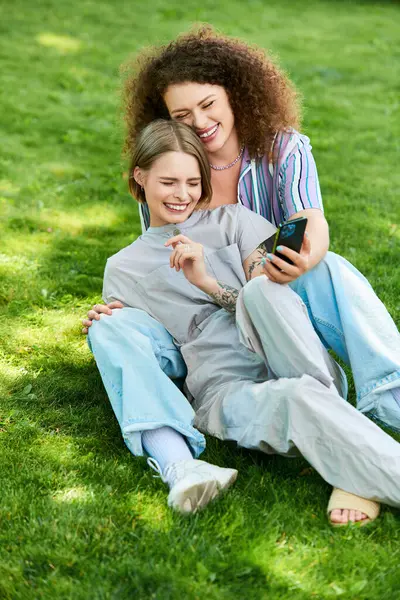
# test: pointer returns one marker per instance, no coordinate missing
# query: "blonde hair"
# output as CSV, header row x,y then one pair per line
x,y
160,137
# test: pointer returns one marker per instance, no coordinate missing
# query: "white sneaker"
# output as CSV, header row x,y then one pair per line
x,y
194,483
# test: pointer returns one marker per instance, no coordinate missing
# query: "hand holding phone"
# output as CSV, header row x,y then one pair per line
x,y
291,235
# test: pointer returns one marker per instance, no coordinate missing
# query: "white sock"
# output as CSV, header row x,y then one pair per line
x,y
166,445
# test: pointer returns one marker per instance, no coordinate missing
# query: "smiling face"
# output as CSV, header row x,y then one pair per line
x,y
206,109
172,187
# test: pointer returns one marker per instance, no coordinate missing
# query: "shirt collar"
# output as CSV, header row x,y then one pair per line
x,y
245,164
175,229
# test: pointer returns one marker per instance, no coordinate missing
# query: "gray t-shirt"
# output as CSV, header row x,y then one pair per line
x,y
140,276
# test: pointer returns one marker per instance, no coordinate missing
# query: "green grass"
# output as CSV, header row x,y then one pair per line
x,y
79,517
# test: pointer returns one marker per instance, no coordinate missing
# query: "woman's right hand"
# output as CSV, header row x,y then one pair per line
x,y
188,256
96,311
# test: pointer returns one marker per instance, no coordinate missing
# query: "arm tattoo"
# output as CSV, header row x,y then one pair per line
x,y
226,297
261,253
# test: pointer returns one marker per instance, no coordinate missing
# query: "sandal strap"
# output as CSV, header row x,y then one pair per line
x,y
345,500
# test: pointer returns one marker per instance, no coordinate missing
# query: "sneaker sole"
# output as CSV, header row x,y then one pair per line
x,y
200,494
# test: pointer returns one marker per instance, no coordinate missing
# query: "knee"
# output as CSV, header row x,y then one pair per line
x,y
99,329
319,278
108,325
331,263
262,292
122,318
131,328
260,287
322,270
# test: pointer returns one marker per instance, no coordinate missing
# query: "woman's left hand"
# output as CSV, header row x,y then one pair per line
x,y
188,256
280,271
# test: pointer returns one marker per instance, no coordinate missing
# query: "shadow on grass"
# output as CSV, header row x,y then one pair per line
x,y
62,264
77,507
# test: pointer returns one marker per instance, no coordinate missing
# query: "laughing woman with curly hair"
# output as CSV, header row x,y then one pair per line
x,y
247,114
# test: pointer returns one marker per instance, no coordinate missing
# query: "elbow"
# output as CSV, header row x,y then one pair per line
x,y
319,236
326,236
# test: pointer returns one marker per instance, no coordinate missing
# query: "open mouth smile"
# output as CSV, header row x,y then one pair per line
x,y
209,134
177,207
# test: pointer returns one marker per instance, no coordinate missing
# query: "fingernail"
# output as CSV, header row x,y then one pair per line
x,y
270,257
263,261
279,248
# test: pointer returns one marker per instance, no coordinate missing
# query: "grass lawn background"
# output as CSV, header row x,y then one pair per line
x,y
79,517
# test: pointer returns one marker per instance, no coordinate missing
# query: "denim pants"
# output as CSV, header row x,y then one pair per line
x,y
142,369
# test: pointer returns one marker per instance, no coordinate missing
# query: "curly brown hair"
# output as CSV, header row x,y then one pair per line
x,y
262,98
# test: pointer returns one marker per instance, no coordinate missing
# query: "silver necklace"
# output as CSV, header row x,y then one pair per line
x,y
239,156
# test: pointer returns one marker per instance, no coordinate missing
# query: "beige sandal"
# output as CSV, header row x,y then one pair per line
x,y
344,500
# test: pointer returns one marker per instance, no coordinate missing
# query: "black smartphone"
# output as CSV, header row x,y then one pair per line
x,y
290,234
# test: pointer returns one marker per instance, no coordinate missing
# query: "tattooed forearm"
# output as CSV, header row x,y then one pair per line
x,y
261,253
226,296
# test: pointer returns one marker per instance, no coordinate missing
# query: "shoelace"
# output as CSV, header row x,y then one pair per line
x,y
169,473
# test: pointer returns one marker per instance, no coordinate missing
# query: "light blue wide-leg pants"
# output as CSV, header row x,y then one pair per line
x,y
138,362
351,320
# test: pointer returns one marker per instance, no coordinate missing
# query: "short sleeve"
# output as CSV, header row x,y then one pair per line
x,y
111,291
251,230
118,284
298,178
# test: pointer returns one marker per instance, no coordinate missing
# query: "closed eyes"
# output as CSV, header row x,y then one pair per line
x,y
191,183
185,115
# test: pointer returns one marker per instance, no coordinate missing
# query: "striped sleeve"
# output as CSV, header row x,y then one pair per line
x,y
298,178
144,215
